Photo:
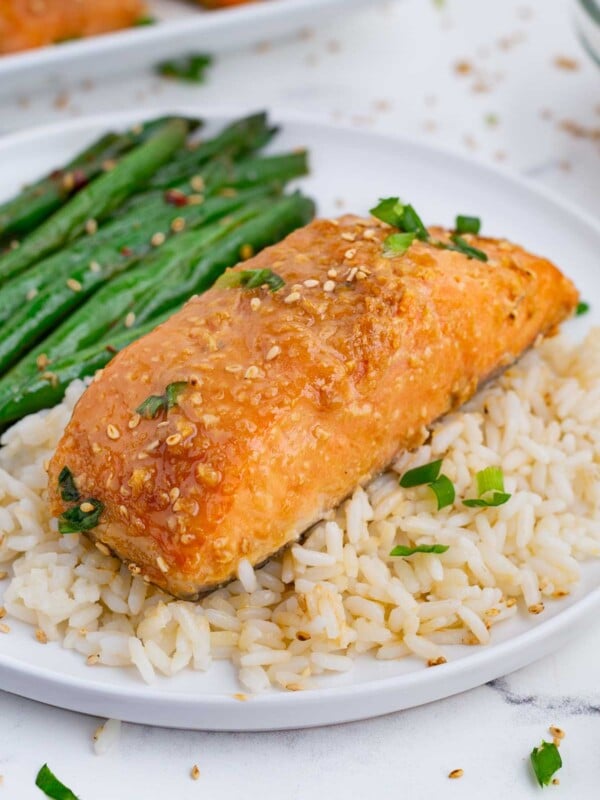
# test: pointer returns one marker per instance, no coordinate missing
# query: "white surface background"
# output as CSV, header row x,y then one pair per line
x,y
390,68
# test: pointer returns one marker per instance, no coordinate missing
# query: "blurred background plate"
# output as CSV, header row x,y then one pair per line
x,y
180,27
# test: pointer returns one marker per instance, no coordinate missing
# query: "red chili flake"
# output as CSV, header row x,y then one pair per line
x,y
111,348
126,251
56,174
176,198
80,179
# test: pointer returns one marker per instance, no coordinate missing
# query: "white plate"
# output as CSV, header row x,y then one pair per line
x,y
181,27
356,168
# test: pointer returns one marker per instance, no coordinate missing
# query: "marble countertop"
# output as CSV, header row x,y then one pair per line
x,y
509,83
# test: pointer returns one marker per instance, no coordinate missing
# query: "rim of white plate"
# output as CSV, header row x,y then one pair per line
x,y
481,662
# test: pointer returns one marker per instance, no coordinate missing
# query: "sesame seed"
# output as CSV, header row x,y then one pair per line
x,y
273,352
102,548
157,239
328,286
153,445
4,628
456,773
109,164
178,224
208,475
292,298
95,266
31,294
42,361
197,183
15,244
112,432
556,732
86,507
369,233
130,319
51,377
162,564
233,368
252,372
350,253
74,285
351,274
174,493
311,283
255,303
332,273
349,236
41,636
246,251
173,439
187,537
195,199
91,660
195,772
68,181
360,275
134,421
91,226
537,608
436,662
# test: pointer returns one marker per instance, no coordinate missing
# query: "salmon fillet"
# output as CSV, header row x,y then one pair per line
x,y
293,397
25,24
223,3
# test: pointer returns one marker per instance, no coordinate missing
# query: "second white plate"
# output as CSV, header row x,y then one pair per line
x,y
180,27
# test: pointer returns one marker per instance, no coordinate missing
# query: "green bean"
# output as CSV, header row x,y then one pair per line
x,y
97,199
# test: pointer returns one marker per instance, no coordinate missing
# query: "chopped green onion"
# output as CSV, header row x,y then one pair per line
x,y
545,761
403,217
411,222
497,499
250,279
66,484
490,479
401,550
490,482
152,406
421,475
389,209
147,20
155,403
466,224
51,786
443,488
396,244
582,308
461,246
75,520
173,391
189,68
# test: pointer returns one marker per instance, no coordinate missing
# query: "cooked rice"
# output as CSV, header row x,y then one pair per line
x,y
321,604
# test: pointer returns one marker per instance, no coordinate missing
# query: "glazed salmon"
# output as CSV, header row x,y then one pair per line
x,y
287,399
25,24
213,4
